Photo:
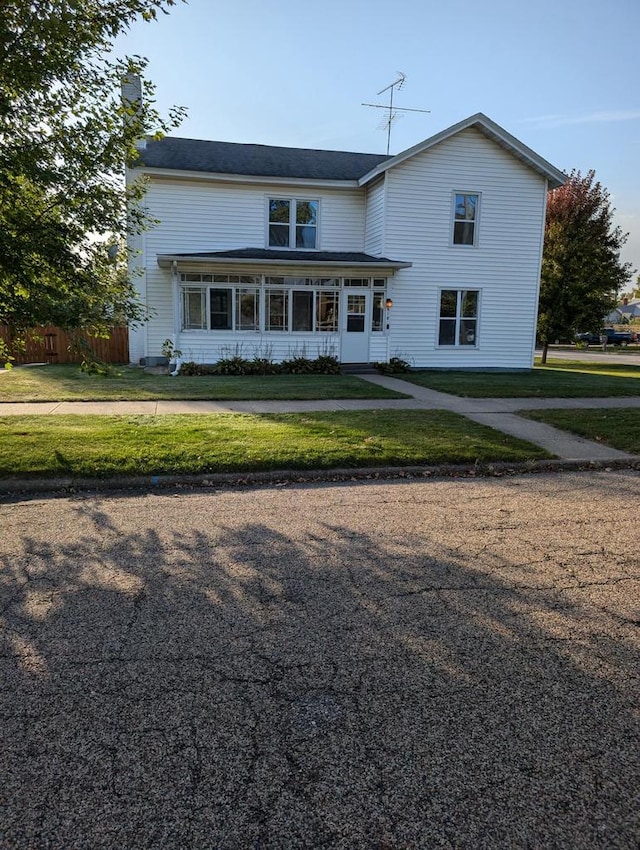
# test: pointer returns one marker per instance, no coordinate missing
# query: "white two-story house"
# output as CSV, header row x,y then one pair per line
x,y
271,252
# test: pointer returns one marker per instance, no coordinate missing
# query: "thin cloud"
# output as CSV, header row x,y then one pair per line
x,y
603,117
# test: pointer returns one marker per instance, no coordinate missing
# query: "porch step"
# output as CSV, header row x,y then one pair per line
x,y
358,369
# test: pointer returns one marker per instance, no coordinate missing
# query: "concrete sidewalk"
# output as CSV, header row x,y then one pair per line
x,y
498,413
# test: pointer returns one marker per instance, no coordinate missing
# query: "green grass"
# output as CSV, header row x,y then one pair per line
x,y
558,379
130,383
149,445
617,428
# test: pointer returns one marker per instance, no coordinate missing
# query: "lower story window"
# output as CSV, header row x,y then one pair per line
x,y
302,312
377,312
276,310
458,317
247,309
327,311
194,308
277,305
221,309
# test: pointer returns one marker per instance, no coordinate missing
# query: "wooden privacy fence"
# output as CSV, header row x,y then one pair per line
x,y
53,345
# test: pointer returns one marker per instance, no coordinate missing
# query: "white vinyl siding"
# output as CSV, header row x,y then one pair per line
x,y
505,265
374,223
205,216
222,216
209,348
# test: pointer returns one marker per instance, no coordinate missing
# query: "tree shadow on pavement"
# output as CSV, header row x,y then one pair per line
x,y
363,677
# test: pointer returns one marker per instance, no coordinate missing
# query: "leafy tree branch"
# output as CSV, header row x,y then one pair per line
x,y
66,137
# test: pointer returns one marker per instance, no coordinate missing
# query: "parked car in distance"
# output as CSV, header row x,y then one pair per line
x,y
613,337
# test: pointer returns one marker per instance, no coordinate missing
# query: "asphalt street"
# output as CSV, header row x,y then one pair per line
x,y
419,664
595,354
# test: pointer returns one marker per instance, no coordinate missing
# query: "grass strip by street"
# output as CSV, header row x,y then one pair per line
x,y
131,383
103,446
558,379
619,428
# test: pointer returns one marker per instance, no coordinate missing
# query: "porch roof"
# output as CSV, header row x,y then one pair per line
x,y
268,257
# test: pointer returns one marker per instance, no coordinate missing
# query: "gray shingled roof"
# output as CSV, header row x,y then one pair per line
x,y
354,258
257,160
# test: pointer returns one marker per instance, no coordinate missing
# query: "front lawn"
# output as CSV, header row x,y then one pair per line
x,y
617,428
558,379
131,383
100,446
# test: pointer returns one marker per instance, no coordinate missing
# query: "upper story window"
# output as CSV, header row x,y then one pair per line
x,y
293,223
465,219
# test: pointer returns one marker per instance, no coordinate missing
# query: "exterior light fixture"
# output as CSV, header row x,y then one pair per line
x,y
388,303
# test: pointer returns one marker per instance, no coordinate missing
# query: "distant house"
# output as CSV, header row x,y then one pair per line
x,y
626,311
272,251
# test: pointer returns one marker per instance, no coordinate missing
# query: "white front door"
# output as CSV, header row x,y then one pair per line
x,y
355,326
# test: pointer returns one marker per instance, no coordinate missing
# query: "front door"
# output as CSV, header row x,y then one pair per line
x,y
356,321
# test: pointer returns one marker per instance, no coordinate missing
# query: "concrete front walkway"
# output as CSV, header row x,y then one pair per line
x,y
499,413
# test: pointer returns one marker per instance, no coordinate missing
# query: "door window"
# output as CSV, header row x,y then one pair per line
x,y
356,309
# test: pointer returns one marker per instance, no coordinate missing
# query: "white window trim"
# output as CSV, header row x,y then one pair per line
x,y
208,288
262,288
258,307
182,289
452,219
293,200
232,329
456,345
279,332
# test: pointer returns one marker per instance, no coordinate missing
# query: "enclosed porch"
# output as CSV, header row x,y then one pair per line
x,y
280,306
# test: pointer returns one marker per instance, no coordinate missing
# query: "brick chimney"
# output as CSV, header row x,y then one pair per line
x,y
131,93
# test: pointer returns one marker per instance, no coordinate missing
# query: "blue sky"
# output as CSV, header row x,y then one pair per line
x,y
563,76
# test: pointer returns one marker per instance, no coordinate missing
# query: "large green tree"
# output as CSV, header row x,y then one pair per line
x,y
582,272
65,138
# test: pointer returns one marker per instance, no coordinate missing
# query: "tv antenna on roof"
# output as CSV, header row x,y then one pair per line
x,y
392,112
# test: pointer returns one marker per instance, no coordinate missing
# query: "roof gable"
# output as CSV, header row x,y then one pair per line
x,y
267,161
489,129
